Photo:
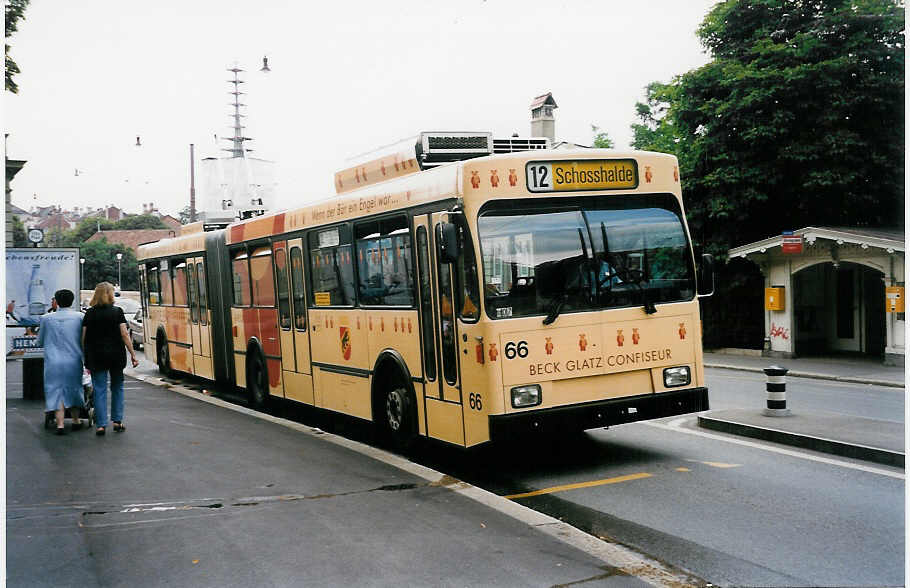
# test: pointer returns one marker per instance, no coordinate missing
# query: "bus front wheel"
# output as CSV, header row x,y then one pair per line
x,y
398,417
257,380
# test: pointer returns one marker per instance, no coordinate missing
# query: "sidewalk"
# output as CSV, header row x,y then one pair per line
x,y
855,437
202,492
843,369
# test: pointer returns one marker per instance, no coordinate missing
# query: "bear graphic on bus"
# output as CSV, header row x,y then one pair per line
x,y
345,336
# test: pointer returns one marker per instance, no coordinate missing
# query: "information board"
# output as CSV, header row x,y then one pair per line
x,y
32,277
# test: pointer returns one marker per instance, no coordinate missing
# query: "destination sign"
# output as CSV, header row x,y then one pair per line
x,y
585,174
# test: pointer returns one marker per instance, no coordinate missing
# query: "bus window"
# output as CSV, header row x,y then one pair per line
x,y
154,294
297,286
384,262
240,276
191,291
332,267
167,294
426,304
284,294
178,276
261,277
203,299
143,291
447,322
468,298
623,251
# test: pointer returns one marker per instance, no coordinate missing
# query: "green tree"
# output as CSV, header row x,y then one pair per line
x,y
184,215
101,264
20,238
797,120
87,227
141,221
601,139
15,9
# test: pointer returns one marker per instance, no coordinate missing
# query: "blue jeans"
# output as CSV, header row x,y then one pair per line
x,y
99,382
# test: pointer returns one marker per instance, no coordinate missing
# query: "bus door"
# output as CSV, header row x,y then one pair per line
x,y
443,395
292,319
200,318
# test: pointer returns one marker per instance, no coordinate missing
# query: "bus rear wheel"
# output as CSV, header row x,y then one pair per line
x,y
257,380
164,357
398,418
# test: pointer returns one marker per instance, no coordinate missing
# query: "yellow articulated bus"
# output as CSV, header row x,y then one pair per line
x,y
448,293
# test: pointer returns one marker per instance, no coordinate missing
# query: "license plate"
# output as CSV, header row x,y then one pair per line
x,y
576,175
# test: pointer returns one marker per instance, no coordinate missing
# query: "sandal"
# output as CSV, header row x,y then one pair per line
x,y
61,431
119,428
77,426
100,431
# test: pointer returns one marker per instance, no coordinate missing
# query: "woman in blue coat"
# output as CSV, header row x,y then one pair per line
x,y
60,334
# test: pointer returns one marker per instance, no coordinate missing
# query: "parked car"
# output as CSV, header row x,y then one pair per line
x,y
134,324
129,306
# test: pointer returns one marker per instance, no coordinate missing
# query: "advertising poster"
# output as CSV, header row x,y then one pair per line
x,y
32,277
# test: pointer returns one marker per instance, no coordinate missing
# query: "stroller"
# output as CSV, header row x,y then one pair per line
x,y
88,404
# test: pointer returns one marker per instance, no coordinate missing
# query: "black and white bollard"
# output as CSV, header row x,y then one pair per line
x,y
776,386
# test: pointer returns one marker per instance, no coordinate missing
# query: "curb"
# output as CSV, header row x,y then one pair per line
x,y
820,444
797,374
629,561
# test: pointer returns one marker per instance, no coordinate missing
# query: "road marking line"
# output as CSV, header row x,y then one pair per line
x,y
716,464
683,470
565,487
843,464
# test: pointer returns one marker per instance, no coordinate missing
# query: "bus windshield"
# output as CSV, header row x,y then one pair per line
x,y
581,254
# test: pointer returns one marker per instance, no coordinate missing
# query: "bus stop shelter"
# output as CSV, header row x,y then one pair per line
x,y
832,289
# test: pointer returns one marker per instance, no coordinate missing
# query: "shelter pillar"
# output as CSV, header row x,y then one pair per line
x,y
779,332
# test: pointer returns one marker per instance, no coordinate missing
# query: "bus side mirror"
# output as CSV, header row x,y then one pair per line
x,y
706,275
447,242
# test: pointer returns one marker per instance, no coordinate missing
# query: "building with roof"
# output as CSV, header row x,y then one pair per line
x,y
833,289
133,238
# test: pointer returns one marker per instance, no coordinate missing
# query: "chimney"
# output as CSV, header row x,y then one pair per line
x,y
542,122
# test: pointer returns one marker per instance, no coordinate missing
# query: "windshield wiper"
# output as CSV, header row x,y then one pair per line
x,y
646,277
555,308
634,277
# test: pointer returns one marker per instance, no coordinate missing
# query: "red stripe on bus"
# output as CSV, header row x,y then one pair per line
x,y
250,324
268,324
278,226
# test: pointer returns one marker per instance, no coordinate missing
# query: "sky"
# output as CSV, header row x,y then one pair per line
x,y
347,77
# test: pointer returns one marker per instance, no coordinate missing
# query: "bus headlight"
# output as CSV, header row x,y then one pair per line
x,y
677,376
524,396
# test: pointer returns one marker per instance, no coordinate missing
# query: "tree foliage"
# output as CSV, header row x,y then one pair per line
x,y
601,139
20,238
15,9
798,120
101,264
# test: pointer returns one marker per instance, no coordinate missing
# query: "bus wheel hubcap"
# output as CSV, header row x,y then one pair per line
x,y
394,409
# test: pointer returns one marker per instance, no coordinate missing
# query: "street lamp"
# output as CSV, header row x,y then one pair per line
x,y
82,273
119,280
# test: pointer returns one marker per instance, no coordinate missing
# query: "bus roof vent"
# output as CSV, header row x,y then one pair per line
x,y
513,144
438,147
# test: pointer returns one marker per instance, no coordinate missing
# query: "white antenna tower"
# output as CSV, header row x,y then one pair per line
x,y
237,149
